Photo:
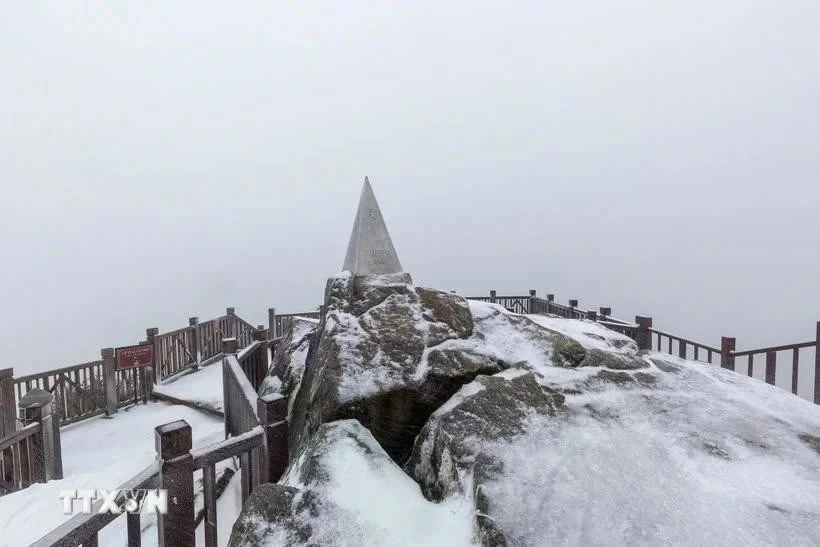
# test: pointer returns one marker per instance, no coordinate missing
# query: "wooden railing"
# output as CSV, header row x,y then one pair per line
x,y
32,453
256,428
649,338
279,323
80,390
21,461
183,348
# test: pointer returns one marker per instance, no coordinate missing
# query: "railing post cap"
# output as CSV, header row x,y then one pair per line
x,y
643,321
573,303
272,408
532,292
107,353
193,321
271,310
173,439
230,311
605,311
550,297
153,331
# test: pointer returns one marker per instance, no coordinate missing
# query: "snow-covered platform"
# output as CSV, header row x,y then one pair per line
x,y
103,453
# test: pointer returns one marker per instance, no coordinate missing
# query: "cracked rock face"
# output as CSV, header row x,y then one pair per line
x,y
387,356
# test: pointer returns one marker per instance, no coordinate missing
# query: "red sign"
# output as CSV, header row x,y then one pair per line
x,y
134,356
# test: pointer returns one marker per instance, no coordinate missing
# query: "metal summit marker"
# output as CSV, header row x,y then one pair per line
x,y
370,251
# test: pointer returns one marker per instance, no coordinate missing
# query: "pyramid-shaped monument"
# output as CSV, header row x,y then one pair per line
x,y
370,251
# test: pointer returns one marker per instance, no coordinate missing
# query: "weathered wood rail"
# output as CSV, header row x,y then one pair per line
x,y
82,391
256,433
649,338
32,453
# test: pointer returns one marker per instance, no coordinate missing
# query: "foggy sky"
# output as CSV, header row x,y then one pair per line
x,y
168,160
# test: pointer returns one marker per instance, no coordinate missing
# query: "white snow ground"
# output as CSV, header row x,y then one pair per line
x,y
103,453
203,386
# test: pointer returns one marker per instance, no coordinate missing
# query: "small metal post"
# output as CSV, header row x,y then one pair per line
x,y
176,474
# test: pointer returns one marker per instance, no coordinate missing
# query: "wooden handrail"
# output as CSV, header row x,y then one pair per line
x,y
684,340
222,450
79,528
19,435
35,376
786,347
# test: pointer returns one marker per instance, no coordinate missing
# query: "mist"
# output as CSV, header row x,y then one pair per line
x,y
164,162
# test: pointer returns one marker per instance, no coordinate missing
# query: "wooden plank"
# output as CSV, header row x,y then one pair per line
x,y
24,452
244,467
209,488
751,365
795,369
133,527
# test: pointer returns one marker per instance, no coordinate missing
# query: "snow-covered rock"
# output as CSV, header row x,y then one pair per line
x,y
370,361
525,430
343,489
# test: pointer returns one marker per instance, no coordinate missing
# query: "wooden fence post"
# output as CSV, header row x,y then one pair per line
x,y
531,304
605,312
48,462
176,474
110,379
192,325
150,337
550,300
493,298
644,334
8,406
817,366
229,346
272,324
272,410
232,330
771,364
592,315
572,305
727,346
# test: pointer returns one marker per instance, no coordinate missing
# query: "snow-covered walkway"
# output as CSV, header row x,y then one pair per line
x,y
103,453
202,388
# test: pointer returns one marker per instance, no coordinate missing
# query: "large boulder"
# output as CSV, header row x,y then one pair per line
x,y
448,457
386,355
627,457
343,489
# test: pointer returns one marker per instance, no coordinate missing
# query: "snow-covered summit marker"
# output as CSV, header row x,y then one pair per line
x,y
370,251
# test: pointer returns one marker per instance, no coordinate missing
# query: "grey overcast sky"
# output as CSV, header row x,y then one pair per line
x,y
168,159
